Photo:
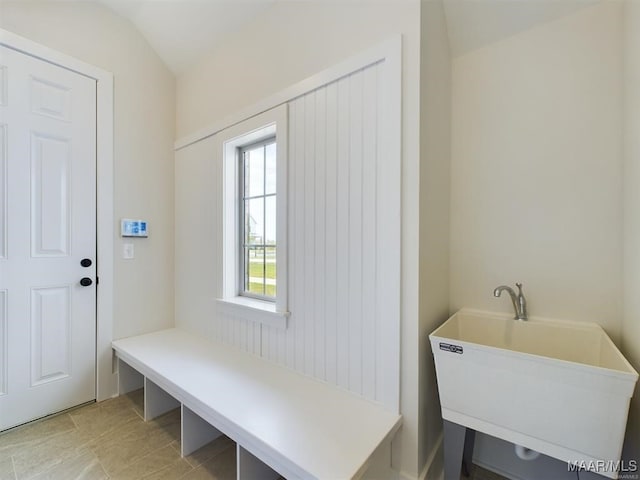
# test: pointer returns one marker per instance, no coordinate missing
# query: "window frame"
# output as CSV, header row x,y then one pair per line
x,y
272,123
241,220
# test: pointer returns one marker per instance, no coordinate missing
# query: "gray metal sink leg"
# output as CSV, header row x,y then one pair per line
x,y
458,450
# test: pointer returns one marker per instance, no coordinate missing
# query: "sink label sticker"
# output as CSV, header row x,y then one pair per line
x,y
447,347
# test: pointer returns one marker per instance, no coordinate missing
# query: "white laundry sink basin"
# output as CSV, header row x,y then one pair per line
x,y
559,387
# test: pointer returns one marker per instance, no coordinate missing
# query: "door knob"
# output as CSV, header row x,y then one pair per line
x,y
86,281
86,262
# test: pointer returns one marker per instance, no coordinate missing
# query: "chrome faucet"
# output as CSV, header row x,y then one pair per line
x,y
519,302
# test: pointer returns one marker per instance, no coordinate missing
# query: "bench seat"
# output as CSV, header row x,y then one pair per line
x,y
299,427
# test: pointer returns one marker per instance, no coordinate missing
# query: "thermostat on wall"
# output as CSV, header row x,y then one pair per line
x,y
133,228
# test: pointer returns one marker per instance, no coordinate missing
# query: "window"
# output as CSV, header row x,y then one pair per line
x,y
254,226
258,257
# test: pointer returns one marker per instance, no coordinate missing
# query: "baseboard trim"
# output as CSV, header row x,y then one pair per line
x,y
433,468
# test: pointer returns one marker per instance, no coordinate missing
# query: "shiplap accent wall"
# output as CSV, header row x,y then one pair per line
x,y
343,237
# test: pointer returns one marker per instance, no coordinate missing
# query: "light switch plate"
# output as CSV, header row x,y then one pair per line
x,y
128,251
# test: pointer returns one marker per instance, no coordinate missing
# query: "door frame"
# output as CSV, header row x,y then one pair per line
x,y
105,377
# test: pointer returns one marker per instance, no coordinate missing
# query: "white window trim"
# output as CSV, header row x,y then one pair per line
x,y
267,124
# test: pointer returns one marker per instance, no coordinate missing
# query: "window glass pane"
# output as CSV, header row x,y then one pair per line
x,y
254,172
270,169
256,269
270,269
270,220
258,201
254,221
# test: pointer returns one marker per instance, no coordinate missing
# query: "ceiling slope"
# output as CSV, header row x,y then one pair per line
x,y
475,23
182,31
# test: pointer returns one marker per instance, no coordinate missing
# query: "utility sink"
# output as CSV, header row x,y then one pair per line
x,y
558,387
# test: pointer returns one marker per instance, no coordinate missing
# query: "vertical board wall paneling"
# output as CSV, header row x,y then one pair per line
x,y
331,236
342,233
343,242
369,242
297,232
388,244
220,322
320,233
240,332
355,232
335,331
308,225
291,333
227,327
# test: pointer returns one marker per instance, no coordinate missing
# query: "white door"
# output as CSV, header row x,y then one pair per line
x,y
47,230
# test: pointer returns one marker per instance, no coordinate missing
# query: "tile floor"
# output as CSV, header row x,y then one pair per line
x,y
110,440
480,473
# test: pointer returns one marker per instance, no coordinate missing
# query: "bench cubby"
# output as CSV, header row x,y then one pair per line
x,y
283,423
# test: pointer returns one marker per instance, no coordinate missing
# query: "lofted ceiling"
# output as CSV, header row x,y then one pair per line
x,y
475,23
182,31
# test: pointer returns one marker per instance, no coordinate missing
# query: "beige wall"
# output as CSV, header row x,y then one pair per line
x,y
143,146
435,161
536,170
631,318
286,44
537,179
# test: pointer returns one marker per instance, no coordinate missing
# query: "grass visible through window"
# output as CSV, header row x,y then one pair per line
x,y
256,272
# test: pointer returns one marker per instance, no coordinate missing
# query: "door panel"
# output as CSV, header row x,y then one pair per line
x,y
48,225
3,85
3,343
50,334
50,182
3,189
50,100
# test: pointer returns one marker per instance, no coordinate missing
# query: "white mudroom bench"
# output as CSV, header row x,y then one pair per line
x,y
282,422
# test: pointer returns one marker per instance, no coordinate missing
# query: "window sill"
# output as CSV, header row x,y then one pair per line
x,y
254,310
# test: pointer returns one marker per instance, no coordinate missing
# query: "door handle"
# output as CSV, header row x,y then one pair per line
x,y
86,281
